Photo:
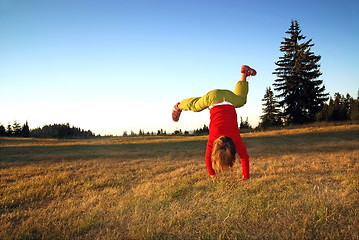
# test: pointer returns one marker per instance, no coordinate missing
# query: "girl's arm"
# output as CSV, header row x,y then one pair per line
x,y
209,148
244,158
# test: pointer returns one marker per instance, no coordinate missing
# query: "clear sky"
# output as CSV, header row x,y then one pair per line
x,y
112,66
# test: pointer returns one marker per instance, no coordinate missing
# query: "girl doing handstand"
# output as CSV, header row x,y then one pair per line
x,y
224,139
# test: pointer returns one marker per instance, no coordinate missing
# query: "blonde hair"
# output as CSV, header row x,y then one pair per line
x,y
223,154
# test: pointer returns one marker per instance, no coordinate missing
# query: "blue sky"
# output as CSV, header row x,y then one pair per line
x,y
114,66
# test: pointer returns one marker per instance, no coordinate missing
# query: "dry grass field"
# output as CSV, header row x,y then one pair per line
x,y
304,185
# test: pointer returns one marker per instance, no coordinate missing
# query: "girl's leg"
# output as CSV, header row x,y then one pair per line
x,y
241,88
195,104
176,113
238,98
245,72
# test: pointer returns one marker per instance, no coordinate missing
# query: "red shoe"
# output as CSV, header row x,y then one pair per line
x,y
176,113
248,71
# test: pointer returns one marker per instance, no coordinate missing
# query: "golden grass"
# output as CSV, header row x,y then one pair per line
x,y
304,186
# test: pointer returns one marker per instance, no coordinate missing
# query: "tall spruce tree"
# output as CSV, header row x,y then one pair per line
x,y
272,114
301,93
25,131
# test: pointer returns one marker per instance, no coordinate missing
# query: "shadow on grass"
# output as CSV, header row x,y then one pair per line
x,y
119,152
316,142
281,144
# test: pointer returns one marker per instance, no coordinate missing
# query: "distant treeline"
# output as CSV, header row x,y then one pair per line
x,y
47,131
339,108
161,132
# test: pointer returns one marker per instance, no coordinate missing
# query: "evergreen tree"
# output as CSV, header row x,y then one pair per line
x,y
9,130
177,132
161,132
2,130
271,116
25,131
302,94
354,108
245,124
16,128
200,131
340,109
